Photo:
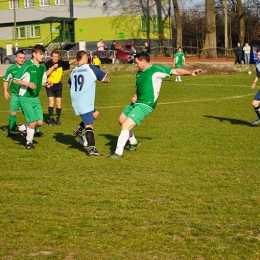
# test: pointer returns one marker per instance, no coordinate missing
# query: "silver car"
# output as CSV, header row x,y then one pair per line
x,y
9,59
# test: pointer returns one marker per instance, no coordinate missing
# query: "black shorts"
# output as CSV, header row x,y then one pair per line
x,y
55,90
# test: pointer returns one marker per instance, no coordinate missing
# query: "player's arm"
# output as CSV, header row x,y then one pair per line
x,y
51,69
105,80
5,86
134,98
255,80
24,83
174,62
183,72
72,61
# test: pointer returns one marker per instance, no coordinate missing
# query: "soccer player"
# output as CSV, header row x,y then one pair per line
x,y
31,77
148,83
14,88
55,67
82,84
179,58
256,101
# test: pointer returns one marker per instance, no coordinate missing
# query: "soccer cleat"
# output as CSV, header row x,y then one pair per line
x,y
39,133
115,156
52,122
10,134
179,80
256,123
23,133
78,133
133,147
176,80
58,122
29,146
93,151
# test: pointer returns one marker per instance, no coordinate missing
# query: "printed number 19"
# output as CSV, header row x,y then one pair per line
x,y
78,81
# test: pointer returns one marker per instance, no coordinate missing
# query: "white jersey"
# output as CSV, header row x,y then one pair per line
x,y
83,87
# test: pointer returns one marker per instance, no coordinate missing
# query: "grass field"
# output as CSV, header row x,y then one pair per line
x,y
190,191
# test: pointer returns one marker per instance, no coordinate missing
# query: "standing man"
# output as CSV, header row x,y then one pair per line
x,y
238,53
148,84
247,50
83,87
14,88
147,48
256,101
55,67
179,58
31,77
101,45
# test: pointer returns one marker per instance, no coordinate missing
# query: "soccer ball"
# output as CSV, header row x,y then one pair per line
x,y
83,141
249,72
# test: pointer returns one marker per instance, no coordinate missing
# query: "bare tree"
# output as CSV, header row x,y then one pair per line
x,y
242,28
210,44
178,23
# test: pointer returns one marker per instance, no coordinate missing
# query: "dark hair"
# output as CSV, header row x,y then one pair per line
x,y
55,52
258,50
143,56
80,54
19,52
38,48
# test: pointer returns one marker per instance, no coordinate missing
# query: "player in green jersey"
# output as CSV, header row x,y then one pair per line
x,y
179,58
148,83
31,77
14,89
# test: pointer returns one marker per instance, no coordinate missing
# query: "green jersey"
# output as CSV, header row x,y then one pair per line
x,y
179,57
9,76
148,84
31,72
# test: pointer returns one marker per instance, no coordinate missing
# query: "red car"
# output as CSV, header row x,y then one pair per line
x,y
122,56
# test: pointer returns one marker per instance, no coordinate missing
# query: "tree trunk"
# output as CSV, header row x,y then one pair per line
x,y
241,18
178,23
210,44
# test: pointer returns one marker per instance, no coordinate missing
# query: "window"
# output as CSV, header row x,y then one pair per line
x,y
144,23
59,2
28,3
21,32
44,2
27,32
156,23
12,2
33,31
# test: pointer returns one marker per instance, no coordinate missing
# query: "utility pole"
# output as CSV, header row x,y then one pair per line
x,y
226,29
15,28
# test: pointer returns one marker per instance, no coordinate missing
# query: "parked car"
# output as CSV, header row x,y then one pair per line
x,y
122,56
8,59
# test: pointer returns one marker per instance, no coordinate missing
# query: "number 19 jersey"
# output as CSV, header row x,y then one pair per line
x,y
83,87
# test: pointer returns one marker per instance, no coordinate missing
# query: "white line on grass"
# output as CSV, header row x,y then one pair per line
x,y
168,103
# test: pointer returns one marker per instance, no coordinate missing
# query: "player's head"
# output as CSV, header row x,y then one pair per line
x,y
82,57
55,55
142,60
38,53
20,57
258,53
180,49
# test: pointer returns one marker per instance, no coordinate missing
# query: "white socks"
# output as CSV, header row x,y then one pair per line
x,y
30,135
121,141
132,138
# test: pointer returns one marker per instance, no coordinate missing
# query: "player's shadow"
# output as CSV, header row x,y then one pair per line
x,y
69,140
4,128
232,121
112,141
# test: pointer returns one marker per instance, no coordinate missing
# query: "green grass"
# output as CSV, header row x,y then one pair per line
x,y
190,191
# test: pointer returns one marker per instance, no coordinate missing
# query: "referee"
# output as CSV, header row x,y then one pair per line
x,y
55,67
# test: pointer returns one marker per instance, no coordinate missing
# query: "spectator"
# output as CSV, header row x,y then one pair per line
x,y
238,53
147,48
113,46
246,50
101,45
132,53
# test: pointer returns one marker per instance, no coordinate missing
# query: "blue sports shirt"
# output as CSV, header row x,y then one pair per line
x,y
82,83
